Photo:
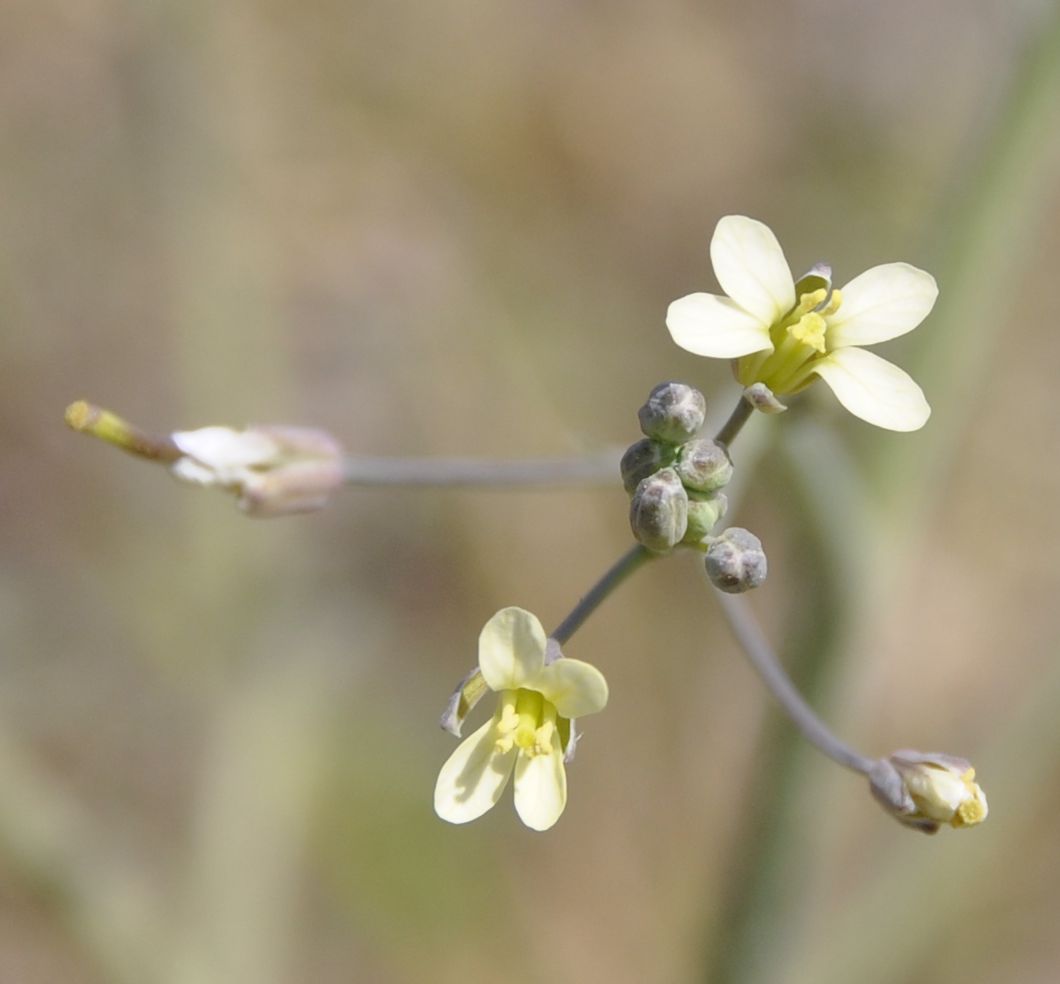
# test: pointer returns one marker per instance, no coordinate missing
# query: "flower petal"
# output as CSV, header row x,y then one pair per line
x,y
751,268
511,649
541,787
473,777
574,687
882,303
874,390
705,324
222,447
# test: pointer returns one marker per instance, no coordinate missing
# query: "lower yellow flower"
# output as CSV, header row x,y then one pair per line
x,y
529,730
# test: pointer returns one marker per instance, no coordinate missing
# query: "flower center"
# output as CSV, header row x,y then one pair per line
x,y
799,340
527,721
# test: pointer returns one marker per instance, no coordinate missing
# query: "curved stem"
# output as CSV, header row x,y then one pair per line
x,y
741,413
593,469
752,640
619,571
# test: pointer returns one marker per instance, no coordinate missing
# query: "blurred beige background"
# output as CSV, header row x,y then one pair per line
x,y
454,228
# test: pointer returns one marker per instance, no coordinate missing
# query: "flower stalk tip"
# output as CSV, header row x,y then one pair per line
x,y
925,790
87,418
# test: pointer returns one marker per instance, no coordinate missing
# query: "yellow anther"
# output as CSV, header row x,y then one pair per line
x,y
543,736
833,303
970,812
810,330
810,300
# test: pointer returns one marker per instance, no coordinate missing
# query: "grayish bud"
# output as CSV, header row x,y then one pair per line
x,y
468,693
735,561
658,513
674,413
642,459
704,511
703,465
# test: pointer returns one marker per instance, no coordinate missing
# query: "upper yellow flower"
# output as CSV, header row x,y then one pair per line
x,y
784,340
529,731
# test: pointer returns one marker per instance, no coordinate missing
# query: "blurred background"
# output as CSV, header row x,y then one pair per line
x,y
454,228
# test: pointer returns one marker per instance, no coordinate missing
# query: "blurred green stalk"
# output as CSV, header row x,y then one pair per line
x,y
990,228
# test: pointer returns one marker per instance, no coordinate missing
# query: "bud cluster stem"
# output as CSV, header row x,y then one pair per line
x,y
618,572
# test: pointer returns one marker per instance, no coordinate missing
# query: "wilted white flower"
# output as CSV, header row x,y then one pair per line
x,y
275,471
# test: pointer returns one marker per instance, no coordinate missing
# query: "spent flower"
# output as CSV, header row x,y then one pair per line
x,y
528,732
275,471
785,334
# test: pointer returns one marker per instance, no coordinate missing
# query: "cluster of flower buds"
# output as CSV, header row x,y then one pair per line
x,y
674,477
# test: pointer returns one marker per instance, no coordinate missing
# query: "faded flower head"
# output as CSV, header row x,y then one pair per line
x,y
274,470
785,334
529,730
927,789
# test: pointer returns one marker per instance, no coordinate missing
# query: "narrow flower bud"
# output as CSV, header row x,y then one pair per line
x,y
703,465
87,418
642,459
704,511
924,790
735,561
674,413
658,513
762,399
275,471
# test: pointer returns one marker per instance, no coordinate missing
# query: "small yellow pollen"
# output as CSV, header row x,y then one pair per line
x,y
809,330
810,300
543,736
504,744
970,812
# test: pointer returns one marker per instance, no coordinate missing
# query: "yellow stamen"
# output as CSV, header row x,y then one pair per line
x,y
810,330
810,300
833,303
507,721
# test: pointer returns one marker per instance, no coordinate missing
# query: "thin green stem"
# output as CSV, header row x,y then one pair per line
x,y
618,572
599,468
764,659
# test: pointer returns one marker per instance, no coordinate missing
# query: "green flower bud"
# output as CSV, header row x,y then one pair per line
x,y
658,513
735,561
703,465
704,511
674,413
642,459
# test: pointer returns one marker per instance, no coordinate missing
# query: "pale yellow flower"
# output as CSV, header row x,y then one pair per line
x,y
528,732
942,788
785,338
